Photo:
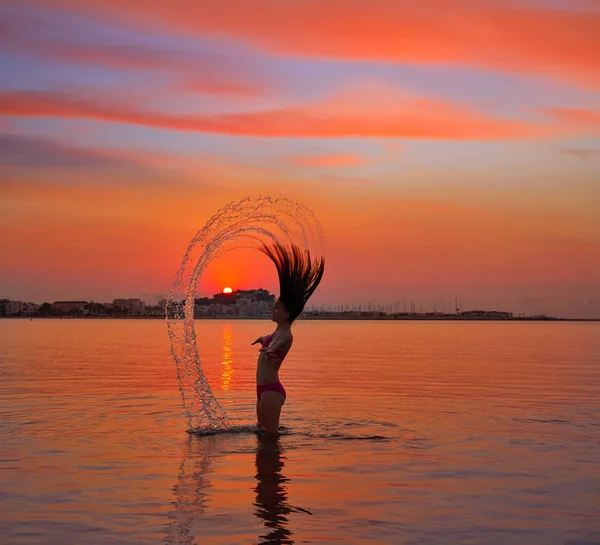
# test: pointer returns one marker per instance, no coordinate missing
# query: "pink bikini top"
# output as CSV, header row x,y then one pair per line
x,y
276,352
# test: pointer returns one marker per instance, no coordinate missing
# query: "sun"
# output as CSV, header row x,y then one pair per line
x,y
227,290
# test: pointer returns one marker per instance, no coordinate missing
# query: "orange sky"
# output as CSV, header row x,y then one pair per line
x,y
449,150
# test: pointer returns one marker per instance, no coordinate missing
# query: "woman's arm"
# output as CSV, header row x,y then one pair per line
x,y
278,348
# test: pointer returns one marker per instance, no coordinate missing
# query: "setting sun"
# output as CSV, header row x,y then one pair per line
x,y
227,290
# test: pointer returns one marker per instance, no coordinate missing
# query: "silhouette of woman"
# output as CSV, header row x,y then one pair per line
x,y
299,276
271,492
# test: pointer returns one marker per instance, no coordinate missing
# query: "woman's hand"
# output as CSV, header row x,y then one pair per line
x,y
259,340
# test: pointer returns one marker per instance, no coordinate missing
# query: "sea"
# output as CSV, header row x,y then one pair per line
x,y
394,432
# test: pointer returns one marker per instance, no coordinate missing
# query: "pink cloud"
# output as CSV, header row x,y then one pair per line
x,y
208,73
578,118
581,153
335,117
511,35
339,160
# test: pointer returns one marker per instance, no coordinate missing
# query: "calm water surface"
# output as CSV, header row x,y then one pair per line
x,y
398,432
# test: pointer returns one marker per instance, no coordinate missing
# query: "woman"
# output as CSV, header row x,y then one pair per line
x,y
299,277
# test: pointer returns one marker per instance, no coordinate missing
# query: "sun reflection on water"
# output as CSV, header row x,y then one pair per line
x,y
227,359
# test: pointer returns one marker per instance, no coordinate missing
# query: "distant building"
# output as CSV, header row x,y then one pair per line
x,y
8,307
31,308
134,307
155,311
69,306
16,307
486,314
256,308
215,310
239,303
256,295
203,311
225,298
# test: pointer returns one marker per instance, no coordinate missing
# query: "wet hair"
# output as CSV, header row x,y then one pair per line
x,y
299,275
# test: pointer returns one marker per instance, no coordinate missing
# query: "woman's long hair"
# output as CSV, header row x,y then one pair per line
x,y
299,275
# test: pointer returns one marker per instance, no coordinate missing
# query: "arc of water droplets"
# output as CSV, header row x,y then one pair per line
x,y
249,221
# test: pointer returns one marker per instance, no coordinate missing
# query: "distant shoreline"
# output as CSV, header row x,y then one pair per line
x,y
324,318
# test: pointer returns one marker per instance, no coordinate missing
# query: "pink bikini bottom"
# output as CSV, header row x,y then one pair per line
x,y
272,387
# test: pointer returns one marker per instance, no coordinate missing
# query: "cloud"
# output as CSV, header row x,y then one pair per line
x,y
578,118
338,160
581,153
334,117
36,167
7,126
512,35
196,71
18,150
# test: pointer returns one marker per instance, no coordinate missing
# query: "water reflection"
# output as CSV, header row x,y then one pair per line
x,y
227,361
193,486
271,492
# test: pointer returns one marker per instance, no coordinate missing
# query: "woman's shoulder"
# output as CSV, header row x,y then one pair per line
x,y
284,335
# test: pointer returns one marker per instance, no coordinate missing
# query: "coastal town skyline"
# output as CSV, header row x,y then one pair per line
x,y
506,299
254,303
420,301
